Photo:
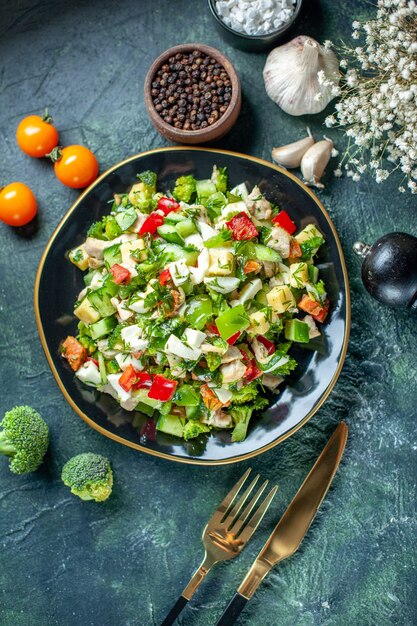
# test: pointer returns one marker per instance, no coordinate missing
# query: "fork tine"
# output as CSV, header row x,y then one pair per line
x,y
237,526
225,504
232,515
255,520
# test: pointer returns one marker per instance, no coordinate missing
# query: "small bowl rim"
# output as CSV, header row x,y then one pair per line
x,y
208,50
269,36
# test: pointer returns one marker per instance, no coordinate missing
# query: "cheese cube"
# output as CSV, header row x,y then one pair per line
x,y
221,262
79,257
259,325
86,312
298,275
128,247
307,233
281,299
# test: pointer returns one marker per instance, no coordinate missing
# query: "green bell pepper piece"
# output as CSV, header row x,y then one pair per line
x,y
232,321
186,396
218,240
199,311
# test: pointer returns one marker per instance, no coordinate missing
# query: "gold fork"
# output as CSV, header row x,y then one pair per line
x,y
226,534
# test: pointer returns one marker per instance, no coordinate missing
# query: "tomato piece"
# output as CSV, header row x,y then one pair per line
x,y
74,352
75,166
18,204
212,328
167,205
164,277
251,266
151,224
270,347
162,388
284,220
242,227
128,378
210,399
36,136
295,249
315,309
120,273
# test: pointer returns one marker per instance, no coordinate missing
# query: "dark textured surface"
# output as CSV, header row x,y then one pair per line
x,y
66,562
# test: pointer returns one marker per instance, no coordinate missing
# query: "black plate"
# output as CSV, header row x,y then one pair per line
x,y
58,282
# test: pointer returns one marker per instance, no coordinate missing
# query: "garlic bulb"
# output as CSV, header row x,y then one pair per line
x,y
314,162
290,155
291,76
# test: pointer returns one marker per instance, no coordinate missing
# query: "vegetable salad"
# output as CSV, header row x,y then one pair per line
x,y
192,301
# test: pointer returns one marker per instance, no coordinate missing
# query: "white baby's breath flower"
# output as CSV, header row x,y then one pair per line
x,y
377,108
337,172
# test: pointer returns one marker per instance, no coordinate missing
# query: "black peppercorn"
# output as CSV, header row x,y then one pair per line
x,y
191,91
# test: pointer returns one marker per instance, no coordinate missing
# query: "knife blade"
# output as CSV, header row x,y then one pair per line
x,y
293,525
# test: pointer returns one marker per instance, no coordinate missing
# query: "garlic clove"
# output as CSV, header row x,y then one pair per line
x,y
314,162
291,76
290,155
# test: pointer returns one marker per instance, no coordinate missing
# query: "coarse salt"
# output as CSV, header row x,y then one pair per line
x,y
255,17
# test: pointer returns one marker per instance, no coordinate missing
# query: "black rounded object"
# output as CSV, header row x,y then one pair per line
x,y
389,271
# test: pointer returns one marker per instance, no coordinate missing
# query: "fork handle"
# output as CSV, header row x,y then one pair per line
x,y
233,610
175,611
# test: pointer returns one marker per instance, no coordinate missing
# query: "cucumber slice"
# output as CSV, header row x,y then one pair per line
x,y
112,255
222,284
185,228
263,253
171,424
295,330
145,408
100,299
205,188
173,218
126,218
313,273
193,412
175,253
102,327
170,234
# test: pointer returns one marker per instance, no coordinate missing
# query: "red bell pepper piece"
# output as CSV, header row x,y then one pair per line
x,y
162,388
144,380
151,223
315,309
212,328
128,378
252,370
164,277
284,220
242,227
74,352
167,205
270,347
120,273
232,340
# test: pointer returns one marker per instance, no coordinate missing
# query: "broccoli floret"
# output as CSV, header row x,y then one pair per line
x,y
148,179
220,178
107,229
24,438
241,416
184,188
89,476
246,394
193,428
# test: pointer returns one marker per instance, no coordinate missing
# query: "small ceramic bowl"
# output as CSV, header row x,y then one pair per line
x,y
203,135
254,43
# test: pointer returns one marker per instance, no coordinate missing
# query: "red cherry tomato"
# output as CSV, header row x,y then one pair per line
x,y
75,166
18,204
36,135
